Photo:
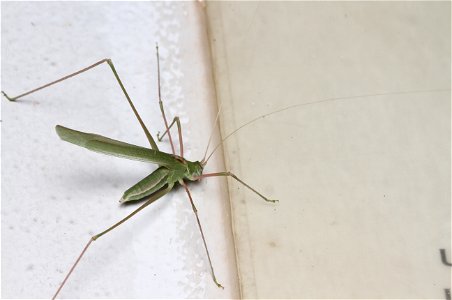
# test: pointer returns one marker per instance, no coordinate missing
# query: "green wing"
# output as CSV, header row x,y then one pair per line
x,y
101,144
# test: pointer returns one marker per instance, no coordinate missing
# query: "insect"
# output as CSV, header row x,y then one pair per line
x,y
173,169
104,145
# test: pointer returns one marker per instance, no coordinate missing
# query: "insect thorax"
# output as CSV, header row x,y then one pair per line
x,y
194,170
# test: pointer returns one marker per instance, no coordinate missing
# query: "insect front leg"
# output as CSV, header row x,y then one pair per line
x,y
239,180
179,130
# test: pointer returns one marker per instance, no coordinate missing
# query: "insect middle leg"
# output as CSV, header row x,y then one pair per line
x,y
162,110
195,210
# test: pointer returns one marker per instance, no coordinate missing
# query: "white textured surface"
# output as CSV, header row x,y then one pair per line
x,y
55,195
364,183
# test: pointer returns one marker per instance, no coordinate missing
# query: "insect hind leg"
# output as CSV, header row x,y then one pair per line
x,y
149,200
113,69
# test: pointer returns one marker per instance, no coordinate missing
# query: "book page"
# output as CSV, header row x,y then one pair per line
x,y
360,160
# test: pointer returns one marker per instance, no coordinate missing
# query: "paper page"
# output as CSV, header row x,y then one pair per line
x,y
363,182
56,195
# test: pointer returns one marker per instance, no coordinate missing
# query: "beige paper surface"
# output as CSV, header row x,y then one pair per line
x,y
364,182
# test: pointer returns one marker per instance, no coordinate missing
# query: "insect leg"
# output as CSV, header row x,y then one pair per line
x,y
239,180
161,102
195,210
112,67
151,199
54,82
179,130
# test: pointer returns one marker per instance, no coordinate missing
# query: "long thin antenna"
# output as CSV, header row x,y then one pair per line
x,y
315,102
215,124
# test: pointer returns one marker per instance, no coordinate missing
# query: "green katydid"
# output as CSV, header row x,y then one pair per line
x,y
173,169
